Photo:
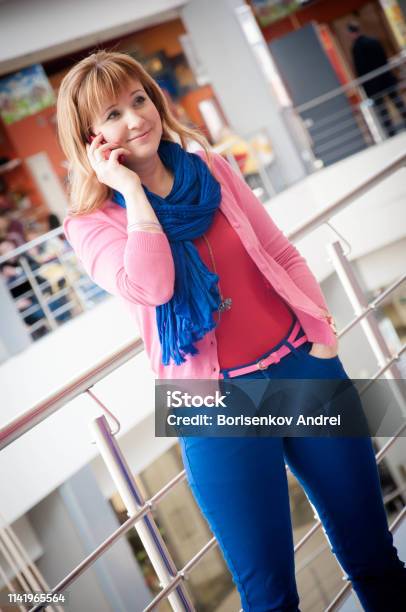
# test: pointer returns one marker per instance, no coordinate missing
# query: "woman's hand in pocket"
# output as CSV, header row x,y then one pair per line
x,y
324,351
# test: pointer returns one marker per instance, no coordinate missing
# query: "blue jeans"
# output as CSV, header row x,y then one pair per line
x,y
241,487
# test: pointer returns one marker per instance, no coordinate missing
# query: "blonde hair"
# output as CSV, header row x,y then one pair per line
x,y
83,91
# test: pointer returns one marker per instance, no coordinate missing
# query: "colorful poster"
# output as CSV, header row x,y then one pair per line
x,y
395,20
25,93
268,11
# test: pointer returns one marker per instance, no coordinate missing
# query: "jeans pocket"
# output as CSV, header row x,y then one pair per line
x,y
307,347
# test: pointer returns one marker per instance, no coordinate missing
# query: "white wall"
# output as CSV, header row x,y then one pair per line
x,y
375,220
58,534
36,30
24,531
42,459
39,461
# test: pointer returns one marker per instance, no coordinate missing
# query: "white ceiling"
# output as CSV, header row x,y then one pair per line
x,y
33,31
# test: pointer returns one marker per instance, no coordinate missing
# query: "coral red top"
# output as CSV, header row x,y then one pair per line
x,y
138,267
260,315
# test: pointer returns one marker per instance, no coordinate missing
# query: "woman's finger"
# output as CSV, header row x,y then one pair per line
x,y
115,154
107,145
95,143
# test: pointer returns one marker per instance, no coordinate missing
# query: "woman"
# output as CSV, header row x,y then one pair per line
x,y
216,288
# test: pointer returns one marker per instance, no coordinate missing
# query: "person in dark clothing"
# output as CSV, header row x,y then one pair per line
x,y
53,221
368,54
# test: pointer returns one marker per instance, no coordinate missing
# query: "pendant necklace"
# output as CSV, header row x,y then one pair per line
x,y
225,303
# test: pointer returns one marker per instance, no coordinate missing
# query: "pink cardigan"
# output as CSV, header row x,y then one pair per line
x,y
138,267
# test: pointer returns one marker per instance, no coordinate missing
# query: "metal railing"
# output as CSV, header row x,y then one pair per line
x,y
346,120
172,580
47,283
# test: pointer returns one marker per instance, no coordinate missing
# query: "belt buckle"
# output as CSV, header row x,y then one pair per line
x,y
261,365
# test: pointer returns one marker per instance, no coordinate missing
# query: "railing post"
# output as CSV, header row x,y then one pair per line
x,y
369,114
146,527
357,298
38,293
71,281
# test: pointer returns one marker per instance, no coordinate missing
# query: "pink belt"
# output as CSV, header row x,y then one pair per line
x,y
273,357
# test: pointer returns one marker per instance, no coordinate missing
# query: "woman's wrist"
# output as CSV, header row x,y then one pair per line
x,y
140,212
144,226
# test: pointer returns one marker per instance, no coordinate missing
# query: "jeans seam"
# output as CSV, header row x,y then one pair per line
x,y
220,540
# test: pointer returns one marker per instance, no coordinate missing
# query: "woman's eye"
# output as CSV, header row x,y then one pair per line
x,y
110,115
138,101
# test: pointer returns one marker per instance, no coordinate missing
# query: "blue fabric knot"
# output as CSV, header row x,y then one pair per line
x,y
185,214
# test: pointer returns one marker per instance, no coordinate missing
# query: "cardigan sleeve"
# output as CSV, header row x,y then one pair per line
x,y
138,267
270,236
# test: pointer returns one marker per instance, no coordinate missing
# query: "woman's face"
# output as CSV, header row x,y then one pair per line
x,y
131,121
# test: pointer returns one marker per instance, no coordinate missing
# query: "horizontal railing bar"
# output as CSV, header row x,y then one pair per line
x,y
352,111
149,504
26,294
21,278
393,495
30,310
68,392
52,403
341,595
181,575
112,538
37,325
338,141
373,180
325,124
393,62
317,552
166,488
330,118
311,557
337,128
332,155
382,451
378,458
60,310
372,305
88,293
375,302
78,385
32,243
58,294
383,368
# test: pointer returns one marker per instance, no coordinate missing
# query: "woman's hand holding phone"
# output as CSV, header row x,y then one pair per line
x,y
105,161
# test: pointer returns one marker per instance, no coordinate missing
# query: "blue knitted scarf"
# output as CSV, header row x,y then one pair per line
x,y
185,214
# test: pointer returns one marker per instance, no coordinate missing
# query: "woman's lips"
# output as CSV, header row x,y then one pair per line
x,y
140,137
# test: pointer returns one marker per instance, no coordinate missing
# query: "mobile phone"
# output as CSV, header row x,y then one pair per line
x,y
90,139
